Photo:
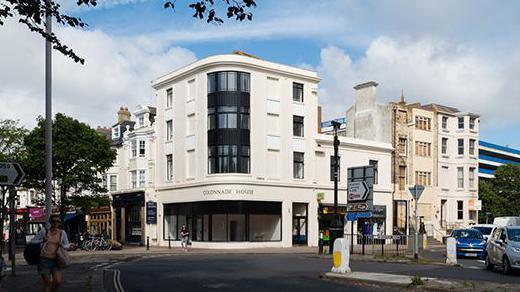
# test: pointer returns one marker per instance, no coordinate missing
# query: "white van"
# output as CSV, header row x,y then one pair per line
x,y
507,221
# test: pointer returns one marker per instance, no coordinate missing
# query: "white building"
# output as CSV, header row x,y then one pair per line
x,y
239,159
130,180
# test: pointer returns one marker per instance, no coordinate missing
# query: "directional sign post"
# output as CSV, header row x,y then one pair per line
x,y
416,191
11,174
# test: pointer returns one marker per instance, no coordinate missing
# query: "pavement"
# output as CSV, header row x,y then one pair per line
x,y
277,269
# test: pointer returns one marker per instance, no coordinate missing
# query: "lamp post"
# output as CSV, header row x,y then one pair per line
x,y
48,114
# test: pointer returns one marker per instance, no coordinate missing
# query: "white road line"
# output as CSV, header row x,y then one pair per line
x,y
481,261
116,280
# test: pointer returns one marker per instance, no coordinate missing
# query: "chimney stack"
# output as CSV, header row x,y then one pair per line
x,y
123,115
366,96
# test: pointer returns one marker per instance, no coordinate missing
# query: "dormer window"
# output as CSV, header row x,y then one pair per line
x,y
116,132
141,121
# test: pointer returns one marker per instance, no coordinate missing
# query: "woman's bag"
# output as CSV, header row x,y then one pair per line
x,y
62,255
32,253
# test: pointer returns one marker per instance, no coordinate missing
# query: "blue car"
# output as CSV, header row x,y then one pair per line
x,y
470,243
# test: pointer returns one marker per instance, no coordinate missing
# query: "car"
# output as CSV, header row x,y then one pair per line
x,y
507,221
485,229
504,249
470,243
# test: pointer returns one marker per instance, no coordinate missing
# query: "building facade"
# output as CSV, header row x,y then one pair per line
x,y
130,180
435,146
491,156
239,160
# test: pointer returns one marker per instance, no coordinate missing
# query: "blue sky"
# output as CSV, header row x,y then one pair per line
x,y
464,54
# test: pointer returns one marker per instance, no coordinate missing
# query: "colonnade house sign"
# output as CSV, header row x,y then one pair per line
x,y
228,191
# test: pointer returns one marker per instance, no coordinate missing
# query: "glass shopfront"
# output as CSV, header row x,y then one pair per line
x,y
223,221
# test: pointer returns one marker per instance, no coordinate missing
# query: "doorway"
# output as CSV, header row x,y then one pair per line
x,y
300,228
400,217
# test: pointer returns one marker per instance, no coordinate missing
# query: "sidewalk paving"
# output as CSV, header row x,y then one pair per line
x,y
427,284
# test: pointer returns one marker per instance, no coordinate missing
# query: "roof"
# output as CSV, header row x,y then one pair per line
x,y
441,108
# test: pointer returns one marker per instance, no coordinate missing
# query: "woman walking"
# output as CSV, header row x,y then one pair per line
x,y
51,239
185,237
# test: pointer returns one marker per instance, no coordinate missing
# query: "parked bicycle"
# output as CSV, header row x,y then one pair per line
x,y
96,243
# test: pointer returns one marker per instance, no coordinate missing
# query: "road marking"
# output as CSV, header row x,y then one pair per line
x,y
474,268
481,261
116,279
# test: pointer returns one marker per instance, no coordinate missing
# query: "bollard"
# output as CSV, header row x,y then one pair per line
x,y
362,244
320,246
451,251
341,256
169,242
397,247
383,247
148,243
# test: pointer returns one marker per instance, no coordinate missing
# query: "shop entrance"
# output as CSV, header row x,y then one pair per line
x,y
133,224
300,224
400,217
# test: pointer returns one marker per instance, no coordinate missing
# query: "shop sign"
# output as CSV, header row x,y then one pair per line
x,y
151,212
228,191
36,213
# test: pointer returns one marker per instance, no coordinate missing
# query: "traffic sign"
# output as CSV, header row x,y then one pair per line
x,y
353,216
357,191
416,191
358,207
11,174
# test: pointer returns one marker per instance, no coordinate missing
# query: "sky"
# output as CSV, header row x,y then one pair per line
x,y
464,54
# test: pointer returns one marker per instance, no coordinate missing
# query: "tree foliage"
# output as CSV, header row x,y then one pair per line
x,y
12,135
80,156
33,14
88,202
501,196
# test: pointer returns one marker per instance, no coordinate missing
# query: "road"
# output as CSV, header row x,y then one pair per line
x,y
272,272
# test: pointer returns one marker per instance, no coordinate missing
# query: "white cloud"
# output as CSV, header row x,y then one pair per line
x,y
117,72
429,71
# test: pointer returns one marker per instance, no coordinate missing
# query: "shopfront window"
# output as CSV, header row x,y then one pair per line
x,y
224,221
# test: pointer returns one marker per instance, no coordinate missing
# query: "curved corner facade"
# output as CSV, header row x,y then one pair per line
x,y
239,160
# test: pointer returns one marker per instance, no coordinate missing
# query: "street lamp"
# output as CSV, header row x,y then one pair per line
x,y
48,114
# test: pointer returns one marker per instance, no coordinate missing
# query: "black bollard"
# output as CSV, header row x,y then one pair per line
x,y
148,243
169,242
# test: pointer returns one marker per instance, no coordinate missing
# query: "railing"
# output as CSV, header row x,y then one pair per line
x,y
380,244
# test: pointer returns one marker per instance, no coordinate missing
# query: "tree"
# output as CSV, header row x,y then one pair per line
x,y
80,156
88,202
12,135
501,196
32,13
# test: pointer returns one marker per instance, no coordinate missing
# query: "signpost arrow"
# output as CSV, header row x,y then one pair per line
x,y
357,191
11,174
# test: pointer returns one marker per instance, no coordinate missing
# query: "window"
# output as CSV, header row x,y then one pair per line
x,y
142,178
461,122
471,177
190,165
141,121
169,130
460,177
104,181
423,123
297,92
332,168
297,126
461,146
444,122
227,117
113,183
460,210
402,178
423,148
116,132
402,146
471,147
298,164
169,167
423,178
228,159
169,97
244,118
472,123
444,146
133,174
228,81
142,148
134,148
374,164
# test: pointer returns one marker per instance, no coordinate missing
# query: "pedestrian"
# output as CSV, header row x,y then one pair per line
x,y
50,240
185,237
